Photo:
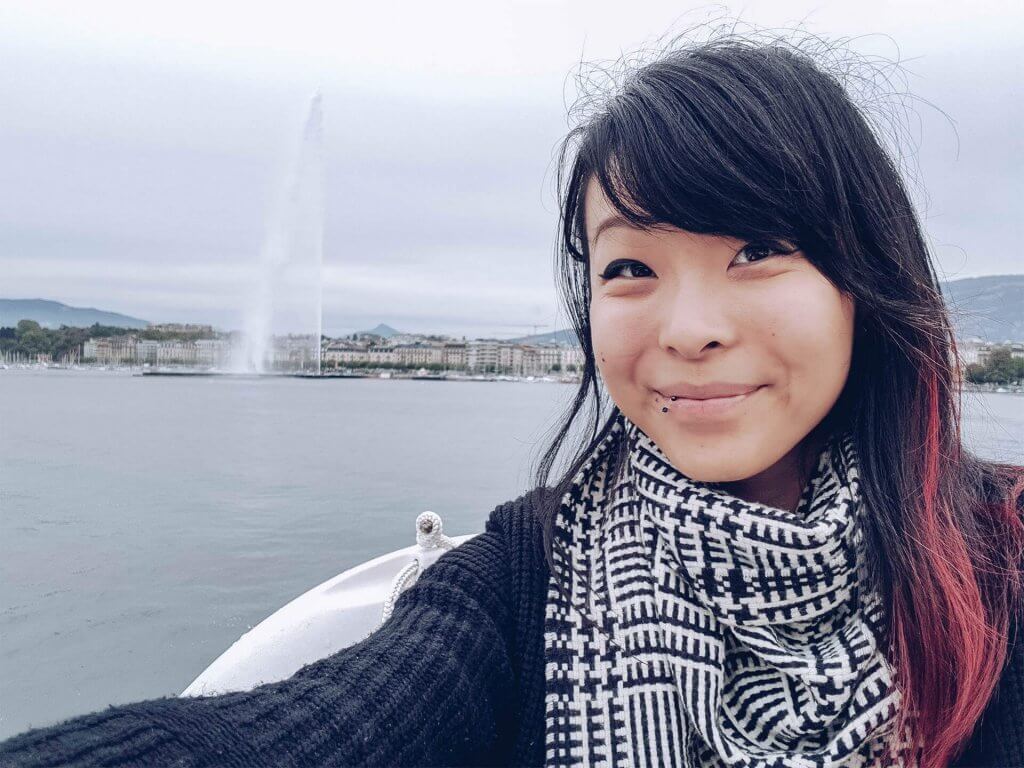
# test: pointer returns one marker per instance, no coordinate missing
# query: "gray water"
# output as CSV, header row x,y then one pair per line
x,y
146,523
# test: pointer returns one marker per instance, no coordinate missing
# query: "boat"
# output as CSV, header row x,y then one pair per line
x,y
338,613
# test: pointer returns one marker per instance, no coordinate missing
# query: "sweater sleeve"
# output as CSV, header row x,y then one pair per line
x,y
998,739
432,686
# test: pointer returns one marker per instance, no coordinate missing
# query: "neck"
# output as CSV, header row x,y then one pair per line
x,y
781,484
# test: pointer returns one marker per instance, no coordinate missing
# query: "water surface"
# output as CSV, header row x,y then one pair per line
x,y
146,522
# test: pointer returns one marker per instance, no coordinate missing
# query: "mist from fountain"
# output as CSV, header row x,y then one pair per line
x,y
283,316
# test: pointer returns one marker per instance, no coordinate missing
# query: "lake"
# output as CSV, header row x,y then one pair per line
x,y
147,522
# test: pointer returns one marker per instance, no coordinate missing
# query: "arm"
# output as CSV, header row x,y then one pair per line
x,y
998,739
431,686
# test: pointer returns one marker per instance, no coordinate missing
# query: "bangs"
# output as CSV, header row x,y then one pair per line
x,y
700,145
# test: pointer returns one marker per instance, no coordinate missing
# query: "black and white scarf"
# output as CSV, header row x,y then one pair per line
x,y
734,633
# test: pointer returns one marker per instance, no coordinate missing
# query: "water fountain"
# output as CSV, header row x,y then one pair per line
x,y
283,316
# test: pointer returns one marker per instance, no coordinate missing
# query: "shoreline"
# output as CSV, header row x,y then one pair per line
x,y
386,375
380,374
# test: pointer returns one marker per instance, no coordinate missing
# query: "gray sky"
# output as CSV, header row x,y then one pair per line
x,y
142,144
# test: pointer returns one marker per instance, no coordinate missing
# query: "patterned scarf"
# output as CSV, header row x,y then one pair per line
x,y
734,633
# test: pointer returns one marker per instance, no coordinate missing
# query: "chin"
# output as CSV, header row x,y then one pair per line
x,y
727,470
718,475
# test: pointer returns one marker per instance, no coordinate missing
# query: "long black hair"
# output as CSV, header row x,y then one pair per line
x,y
751,136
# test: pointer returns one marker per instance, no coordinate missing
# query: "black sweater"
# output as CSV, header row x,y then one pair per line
x,y
454,677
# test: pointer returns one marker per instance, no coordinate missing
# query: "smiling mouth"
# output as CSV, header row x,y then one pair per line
x,y
709,408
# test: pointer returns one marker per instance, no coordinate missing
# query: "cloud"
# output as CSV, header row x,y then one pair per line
x,y
143,153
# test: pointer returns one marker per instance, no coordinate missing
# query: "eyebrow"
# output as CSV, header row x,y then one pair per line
x,y
611,222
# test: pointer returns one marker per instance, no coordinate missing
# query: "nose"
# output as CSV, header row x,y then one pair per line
x,y
694,318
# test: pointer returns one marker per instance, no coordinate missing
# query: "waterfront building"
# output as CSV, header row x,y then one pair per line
x,y
971,350
146,351
477,356
111,350
482,355
419,353
381,354
213,352
571,356
181,352
454,355
189,328
336,352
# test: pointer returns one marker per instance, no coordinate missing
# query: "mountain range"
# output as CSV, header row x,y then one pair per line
x,y
53,314
990,308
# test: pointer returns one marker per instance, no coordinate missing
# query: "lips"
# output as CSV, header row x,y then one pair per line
x,y
704,409
706,391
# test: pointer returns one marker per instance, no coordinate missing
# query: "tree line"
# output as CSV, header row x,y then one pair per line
x,y
1000,367
31,339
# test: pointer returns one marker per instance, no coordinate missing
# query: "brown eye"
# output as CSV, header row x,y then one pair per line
x,y
614,269
760,251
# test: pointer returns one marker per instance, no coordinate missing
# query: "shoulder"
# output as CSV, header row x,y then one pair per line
x,y
519,520
508,545
998,739
519,525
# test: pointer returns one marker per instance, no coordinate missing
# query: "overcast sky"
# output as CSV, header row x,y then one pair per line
x,y
142,144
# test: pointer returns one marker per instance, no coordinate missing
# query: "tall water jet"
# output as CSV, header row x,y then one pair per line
x,y
283,317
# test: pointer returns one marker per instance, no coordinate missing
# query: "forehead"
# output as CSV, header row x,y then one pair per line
x,y
597,206
599,209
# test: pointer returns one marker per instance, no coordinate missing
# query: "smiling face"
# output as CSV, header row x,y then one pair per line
x,y
674,311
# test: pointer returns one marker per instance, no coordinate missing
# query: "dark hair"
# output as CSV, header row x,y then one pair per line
x,y
751,137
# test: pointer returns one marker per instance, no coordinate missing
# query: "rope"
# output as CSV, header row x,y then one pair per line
x,y
428,537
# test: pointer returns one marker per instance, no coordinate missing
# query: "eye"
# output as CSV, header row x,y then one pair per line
x,y
761,250
614,269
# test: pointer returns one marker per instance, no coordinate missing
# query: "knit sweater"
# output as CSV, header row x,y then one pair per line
x,y
454,677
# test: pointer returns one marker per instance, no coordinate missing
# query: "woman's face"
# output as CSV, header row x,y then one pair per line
x,y
685,311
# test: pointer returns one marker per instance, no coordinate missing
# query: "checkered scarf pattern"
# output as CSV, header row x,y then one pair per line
x,y
731,633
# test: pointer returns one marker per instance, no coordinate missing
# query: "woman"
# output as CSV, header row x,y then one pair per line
x,y
774,551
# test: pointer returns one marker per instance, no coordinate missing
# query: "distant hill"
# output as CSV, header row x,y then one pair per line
x,y
991,308
564,338
53,314
385,331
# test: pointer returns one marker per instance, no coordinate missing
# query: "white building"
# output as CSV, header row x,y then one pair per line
x,y
377,354
146,350
454,356
213,352
343,352
971,350
482,355
571,356
182,352
111,350
420,353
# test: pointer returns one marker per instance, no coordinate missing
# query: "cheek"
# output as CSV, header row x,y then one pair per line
x,y
809,326
618,332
